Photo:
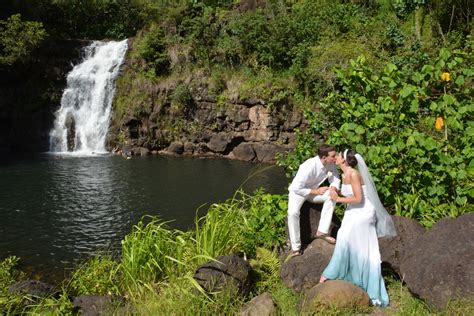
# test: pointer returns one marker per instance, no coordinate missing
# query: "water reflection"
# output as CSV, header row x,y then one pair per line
x,y
89,214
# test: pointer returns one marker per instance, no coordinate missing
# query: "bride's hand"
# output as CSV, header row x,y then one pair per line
x,y
333,195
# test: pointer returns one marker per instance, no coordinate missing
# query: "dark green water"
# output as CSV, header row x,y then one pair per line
x,y
57,211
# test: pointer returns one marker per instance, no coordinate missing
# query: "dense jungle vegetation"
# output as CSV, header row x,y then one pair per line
x,y
391,78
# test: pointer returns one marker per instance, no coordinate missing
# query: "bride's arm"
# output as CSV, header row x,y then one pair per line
x,y
356,190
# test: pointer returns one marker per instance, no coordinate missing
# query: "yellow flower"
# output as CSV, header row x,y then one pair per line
x,y
446,76
439,123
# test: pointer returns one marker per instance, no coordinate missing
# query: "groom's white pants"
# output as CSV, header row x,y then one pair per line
x,y
295,202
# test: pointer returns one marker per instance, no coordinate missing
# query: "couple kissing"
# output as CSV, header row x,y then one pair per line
x,y
356,256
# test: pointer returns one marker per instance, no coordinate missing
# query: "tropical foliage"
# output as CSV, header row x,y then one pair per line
x,y
415,130
18,38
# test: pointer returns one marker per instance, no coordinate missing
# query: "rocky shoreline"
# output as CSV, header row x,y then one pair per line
x,y
247,131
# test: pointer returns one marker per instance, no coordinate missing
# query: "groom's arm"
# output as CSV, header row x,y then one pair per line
x,y
300,181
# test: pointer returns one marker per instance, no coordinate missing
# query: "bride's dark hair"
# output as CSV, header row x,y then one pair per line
x,y
350,158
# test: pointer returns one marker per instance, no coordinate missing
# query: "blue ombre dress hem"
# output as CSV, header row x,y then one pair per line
x,y
356,256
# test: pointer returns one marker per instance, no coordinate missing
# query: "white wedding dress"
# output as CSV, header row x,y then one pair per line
x,y
356,257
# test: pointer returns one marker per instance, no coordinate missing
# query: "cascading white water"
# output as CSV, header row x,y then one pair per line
x,y
83,119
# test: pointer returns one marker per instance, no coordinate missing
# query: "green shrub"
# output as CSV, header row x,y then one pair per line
x,y
151,252
266,268
244,36
395,36
320,78
152,48
10,303
182,98
8,273
264,221
97,276
19,38
389,118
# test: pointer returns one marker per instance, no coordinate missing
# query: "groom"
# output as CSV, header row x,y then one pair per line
x,y
306,186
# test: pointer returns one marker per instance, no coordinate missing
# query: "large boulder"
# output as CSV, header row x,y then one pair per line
x,y
243,151
267,151
261,305
303,272
440,264
293,120
337,293
94,305
218,143
229,272
32,287
393,250
176,148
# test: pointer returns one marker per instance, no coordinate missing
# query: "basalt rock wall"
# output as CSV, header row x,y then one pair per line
x,y
247,131
182,114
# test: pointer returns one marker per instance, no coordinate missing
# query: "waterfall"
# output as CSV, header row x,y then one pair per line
x,y
83,119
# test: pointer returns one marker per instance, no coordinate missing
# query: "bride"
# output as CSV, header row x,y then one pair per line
x,y
356,257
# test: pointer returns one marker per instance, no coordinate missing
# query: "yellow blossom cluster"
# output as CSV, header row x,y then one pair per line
x,y
446,76
439,123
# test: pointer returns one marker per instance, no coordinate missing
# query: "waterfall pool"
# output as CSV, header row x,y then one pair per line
x,y
57,210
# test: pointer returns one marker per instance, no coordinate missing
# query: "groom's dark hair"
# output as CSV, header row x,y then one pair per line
x,y
324,150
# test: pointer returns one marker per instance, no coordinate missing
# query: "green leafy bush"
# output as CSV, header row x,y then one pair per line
x,y
97,276
9,303
7,272
245,36
405,7
182,97
94,19
152,49
18,38
415,131
264,222
395,36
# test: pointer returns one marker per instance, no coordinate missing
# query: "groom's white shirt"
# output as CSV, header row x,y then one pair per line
x,y
311,174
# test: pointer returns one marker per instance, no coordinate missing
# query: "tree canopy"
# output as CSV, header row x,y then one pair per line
x,y
18,38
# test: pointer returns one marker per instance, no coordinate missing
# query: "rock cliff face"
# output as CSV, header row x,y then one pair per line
x,y
249,131
183,115
30,93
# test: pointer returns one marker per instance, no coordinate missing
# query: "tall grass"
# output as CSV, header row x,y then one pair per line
x,y
219,232
180,298
152,252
